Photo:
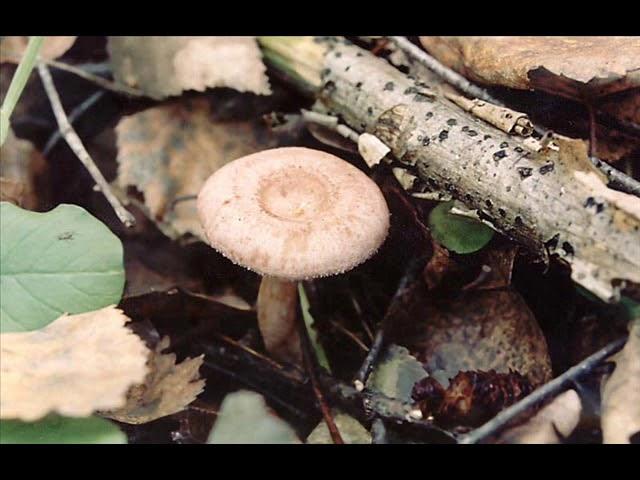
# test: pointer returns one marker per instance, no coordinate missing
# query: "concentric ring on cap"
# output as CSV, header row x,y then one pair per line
x,y
293,213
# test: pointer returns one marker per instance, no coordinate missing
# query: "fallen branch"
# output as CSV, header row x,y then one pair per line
x,y
72,138
550,389
530,193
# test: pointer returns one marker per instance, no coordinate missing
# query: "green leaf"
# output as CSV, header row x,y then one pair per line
x,y
62,261
458,233
57,430
351,431
396,373
244,419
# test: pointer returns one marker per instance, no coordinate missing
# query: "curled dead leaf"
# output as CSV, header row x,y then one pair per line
x,y
621,392
166,66
569,66
74,366
167,389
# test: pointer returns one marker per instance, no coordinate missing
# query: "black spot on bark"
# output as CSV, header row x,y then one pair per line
x,y
525,172
443,135
451,122
499,155
502,212
359,85
546,168
568,249
428,115
389,86
472,133
504,145
488,203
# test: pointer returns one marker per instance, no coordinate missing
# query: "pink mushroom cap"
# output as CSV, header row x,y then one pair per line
x,y
293,213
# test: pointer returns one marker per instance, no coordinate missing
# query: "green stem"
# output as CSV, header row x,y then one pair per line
x,y
18,82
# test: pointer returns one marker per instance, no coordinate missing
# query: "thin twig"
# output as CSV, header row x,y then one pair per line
x,y
72,138
73,116
86,74
415,266
102,82
553,388
311,364
349,334
330,122
447,74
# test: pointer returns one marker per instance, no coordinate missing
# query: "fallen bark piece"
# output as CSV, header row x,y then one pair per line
x,y
621,392
74,366
569,66
167,66
507,120
168,388
551,424
528,194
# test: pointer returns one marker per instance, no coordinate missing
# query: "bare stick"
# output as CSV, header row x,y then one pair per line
x,y
102,82
311,364
73,116
72,138
553,388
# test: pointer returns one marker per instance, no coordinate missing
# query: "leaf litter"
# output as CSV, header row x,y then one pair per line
x,y
167,66
74,366
196,321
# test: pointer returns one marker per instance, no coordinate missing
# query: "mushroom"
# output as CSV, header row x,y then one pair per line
x,y
291,214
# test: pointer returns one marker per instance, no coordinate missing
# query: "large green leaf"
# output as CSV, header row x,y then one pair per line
x,y
244,418
456,232
61,261
56,429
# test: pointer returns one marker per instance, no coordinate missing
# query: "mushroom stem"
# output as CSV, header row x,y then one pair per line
x,y
277,301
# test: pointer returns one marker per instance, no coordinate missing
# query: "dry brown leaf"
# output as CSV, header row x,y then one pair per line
x,y
168,388
561,416
12,48
168,152
568,66
621,392
20,164
166,66
74,366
